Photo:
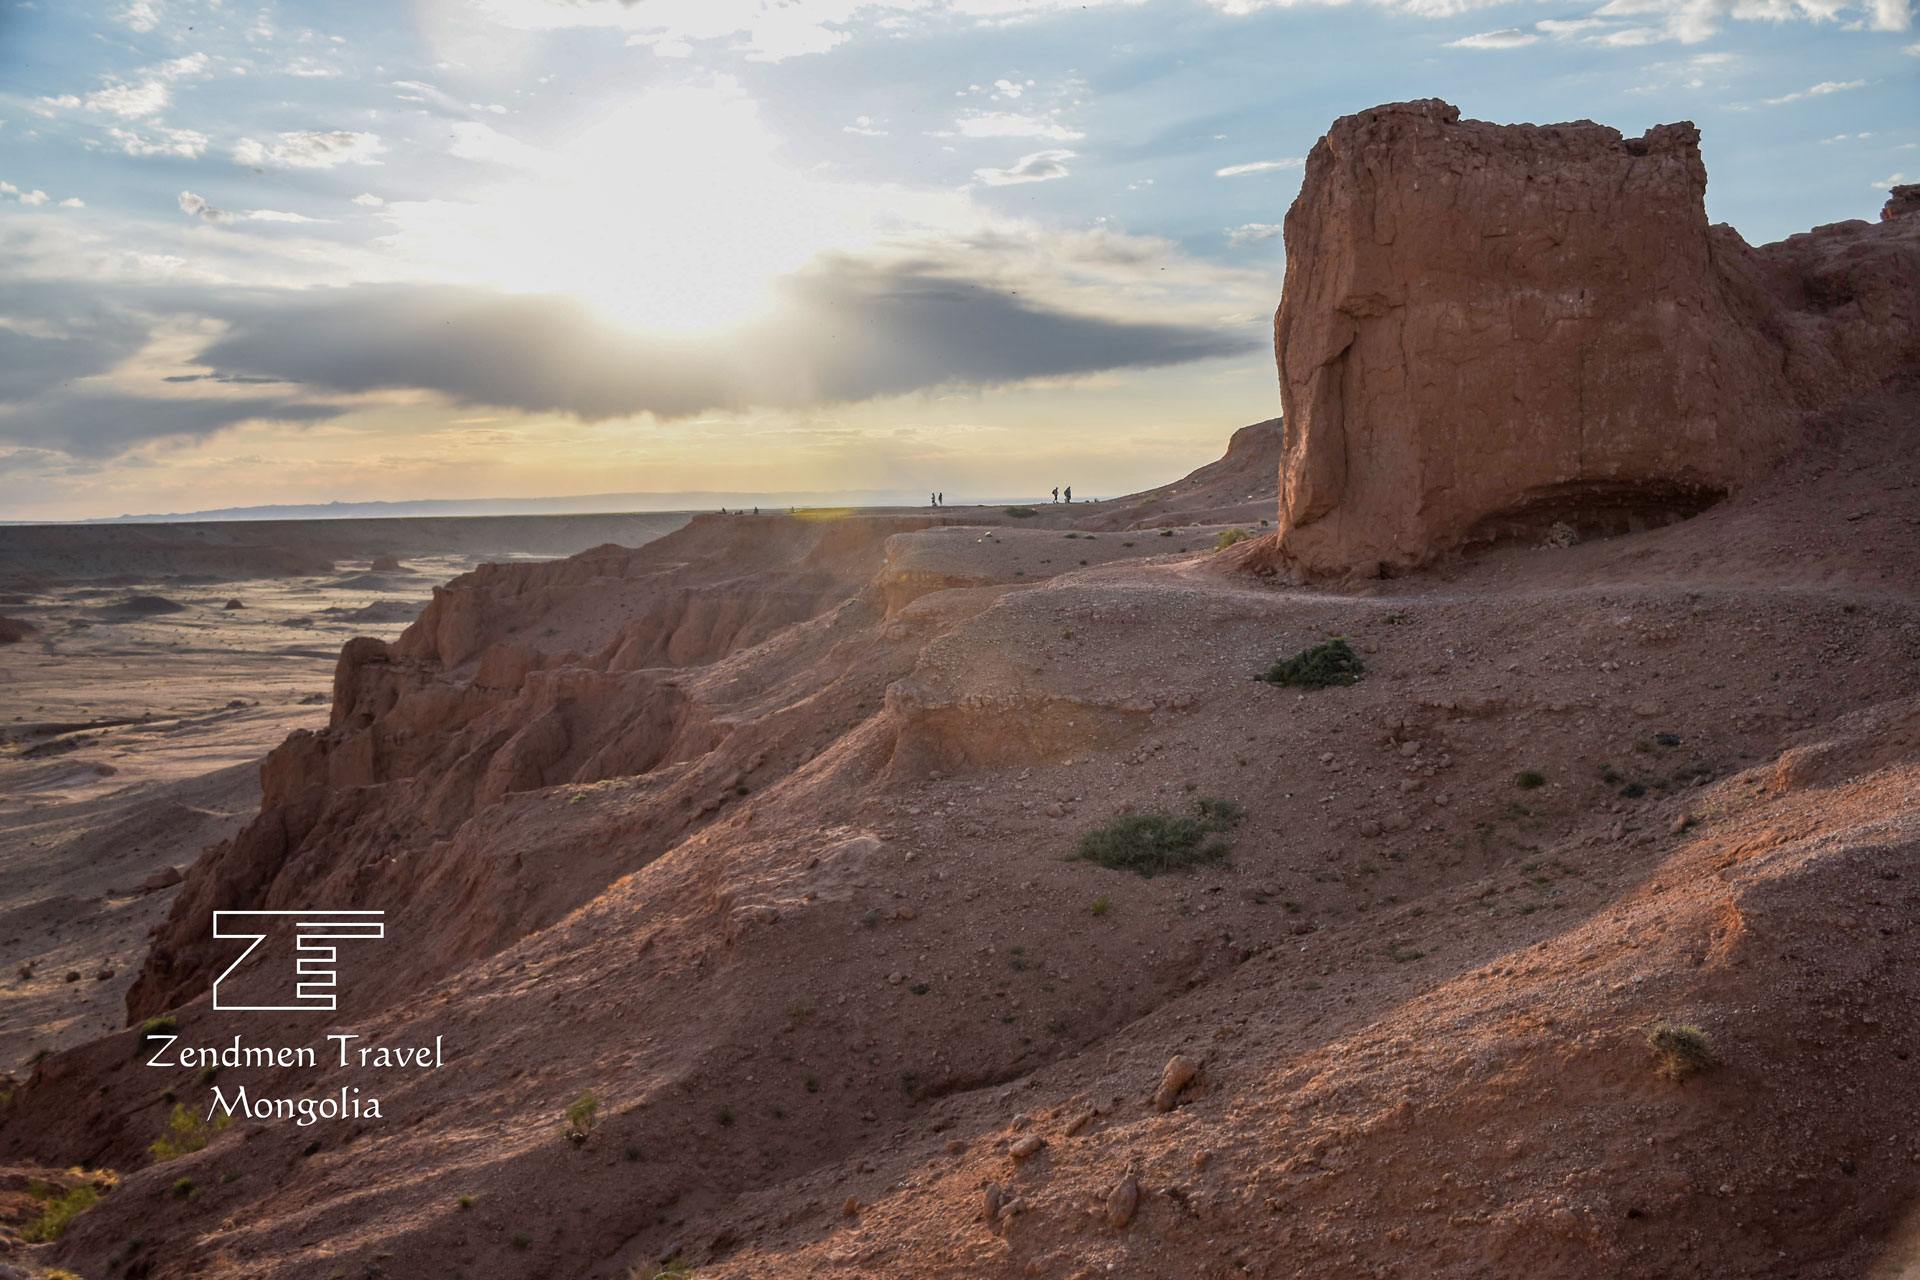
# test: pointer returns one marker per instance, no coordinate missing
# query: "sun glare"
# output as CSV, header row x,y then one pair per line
x,y
673,214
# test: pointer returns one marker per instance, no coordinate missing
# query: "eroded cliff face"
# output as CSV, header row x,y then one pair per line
x,y
1486,329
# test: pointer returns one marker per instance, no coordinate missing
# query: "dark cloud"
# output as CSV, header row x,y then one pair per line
x,y
99,426
53,338
843,331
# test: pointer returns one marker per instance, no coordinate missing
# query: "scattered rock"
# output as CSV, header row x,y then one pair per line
x,y
13,630
1122,1201
995,1197
164,878
1179,1071
1369,828
386,563
851,1207
235,603
1027,1146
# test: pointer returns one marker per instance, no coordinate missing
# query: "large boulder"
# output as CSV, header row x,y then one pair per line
x,y
1486,330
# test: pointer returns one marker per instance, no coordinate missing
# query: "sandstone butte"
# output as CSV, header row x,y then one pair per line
x,y
1486,329
763,833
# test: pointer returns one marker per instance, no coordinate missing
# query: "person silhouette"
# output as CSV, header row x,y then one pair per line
x,y
1069,493
940,499
1056,493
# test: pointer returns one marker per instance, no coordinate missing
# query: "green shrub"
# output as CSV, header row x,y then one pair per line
x,y
61,1209
1149,843
1320,666
1529,779
1021,513
1682,1049
164,1025
581,1115
1230,536
186,1133
1102,905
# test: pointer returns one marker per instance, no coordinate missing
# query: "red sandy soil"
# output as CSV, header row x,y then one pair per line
x,y
760,834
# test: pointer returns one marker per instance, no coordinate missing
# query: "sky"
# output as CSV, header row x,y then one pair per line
x,y
382,251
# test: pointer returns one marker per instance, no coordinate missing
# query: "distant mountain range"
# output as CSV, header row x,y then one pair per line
x,y
584,504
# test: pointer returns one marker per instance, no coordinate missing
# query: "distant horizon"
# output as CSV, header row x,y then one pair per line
x,y
608,504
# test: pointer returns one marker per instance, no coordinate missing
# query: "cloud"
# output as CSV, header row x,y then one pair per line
x,y
104,425
845,330
1510,38
33,197
1568,28
1820,90
311,150
142,15
196,206
1252,233
1041,166
73,202
1007,124
188,144
1891,181
276,215
130,101
368,200
863,125
1890,15
1259,166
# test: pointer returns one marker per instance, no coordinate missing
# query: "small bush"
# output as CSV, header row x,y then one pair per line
x,y
1230,536
919,988
1102,905
1633,791
1166,533
1320,666
61,1209
164,1025
1021,513
581,1115
871,917
1529,779
521,1240
724,1116
1149,843
182,1188
464,1202
186,1133
1682,1049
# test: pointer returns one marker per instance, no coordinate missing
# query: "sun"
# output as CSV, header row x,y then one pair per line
x,y
672,214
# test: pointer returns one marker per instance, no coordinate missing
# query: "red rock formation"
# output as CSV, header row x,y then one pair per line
x,y
1485,329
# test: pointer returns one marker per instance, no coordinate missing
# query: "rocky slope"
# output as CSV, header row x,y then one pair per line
x,y
763,835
